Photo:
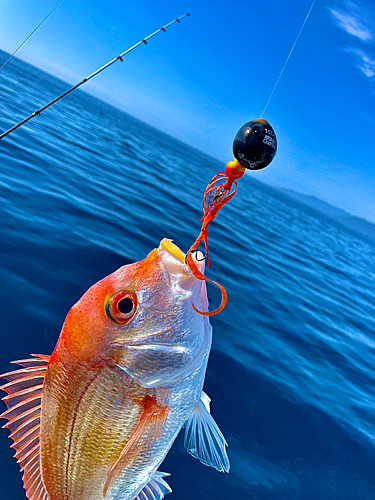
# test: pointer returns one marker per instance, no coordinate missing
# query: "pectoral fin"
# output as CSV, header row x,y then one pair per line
x,y
203,438
156,489
150,425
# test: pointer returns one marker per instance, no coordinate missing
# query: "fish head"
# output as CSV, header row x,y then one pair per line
x,y
141,319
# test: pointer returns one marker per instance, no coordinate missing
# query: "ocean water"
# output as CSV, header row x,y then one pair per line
x,y
86,188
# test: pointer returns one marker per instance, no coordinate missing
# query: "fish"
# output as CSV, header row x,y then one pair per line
x,y
96,418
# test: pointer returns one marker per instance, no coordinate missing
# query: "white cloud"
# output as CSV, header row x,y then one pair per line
x,y
354,19
357,20
364,62
367,71
351,25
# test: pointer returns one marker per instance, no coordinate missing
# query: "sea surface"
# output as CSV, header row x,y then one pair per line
x,y
85,188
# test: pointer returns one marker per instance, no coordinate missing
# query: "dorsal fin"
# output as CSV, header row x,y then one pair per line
x,y
23,414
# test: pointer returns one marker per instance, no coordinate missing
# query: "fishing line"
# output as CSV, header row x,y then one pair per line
x,y
118,58
287,59
31,34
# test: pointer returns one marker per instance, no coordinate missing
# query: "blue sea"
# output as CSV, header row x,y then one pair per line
x,y
86,188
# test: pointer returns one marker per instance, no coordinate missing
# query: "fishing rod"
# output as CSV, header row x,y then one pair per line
x,y
118,58
31,34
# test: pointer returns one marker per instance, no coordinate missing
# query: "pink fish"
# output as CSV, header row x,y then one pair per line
x,y
96,418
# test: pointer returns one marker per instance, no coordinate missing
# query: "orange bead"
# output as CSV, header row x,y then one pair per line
x,y
234,169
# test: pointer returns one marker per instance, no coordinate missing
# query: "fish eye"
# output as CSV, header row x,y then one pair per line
x,y
125,305
121,307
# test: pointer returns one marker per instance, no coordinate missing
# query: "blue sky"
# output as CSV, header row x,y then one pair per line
x,y
207,76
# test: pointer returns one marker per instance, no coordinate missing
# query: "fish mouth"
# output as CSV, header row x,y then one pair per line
x,y
184,285
176,267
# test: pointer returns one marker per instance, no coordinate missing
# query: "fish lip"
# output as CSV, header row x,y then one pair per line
x,y
172,249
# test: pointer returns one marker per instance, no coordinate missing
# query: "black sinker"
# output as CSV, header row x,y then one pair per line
x,y
255,144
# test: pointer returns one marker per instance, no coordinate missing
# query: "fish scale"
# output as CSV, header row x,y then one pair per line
x,y
91,429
